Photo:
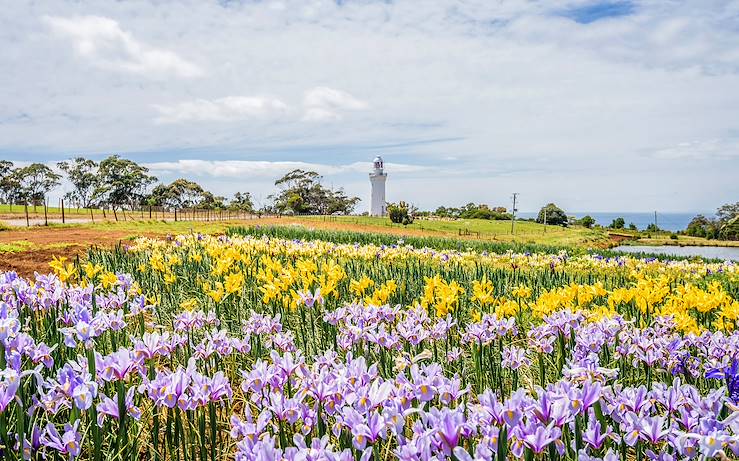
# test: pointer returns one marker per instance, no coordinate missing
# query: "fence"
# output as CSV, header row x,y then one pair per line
x,y
28,215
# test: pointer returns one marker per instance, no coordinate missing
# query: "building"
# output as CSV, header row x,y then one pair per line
x,y
378,177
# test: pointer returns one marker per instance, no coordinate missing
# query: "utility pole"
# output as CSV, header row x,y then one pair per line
x,y
513,214
655,221
545,220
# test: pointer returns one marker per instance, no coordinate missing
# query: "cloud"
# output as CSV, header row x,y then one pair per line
x,y
102,41
320,104
230,108
711,149
525,97
268,169
327,104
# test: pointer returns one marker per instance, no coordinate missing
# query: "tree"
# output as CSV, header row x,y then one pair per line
x,y
302,193
83,174
242,202
122,182
34,182
209,201
730,230
554,215
8,182
401,213
618,223
587,221
340,203
185,194
699,226
727,212
159,196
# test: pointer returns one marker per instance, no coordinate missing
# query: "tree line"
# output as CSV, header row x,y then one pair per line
x,y
117,183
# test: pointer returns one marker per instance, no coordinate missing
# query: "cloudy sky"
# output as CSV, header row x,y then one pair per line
x,y
597,106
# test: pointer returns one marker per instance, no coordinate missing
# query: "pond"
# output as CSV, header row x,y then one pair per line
x,y
725,253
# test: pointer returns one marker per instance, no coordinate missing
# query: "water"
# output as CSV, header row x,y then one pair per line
x,y
667,221
725,253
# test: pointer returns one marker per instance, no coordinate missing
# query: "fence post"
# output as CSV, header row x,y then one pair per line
x,y
175,215
92,217
149,212
63,220
46,215
28,223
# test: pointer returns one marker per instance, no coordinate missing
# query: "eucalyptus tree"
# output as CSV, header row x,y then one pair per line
x,y
83,174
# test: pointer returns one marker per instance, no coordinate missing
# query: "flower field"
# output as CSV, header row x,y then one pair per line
x,y
266,348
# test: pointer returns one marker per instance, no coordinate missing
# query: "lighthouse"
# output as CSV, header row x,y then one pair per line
x,y
378,177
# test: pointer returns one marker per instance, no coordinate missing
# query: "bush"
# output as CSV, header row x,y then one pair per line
x,y
401,213
587,221
673,236
618,223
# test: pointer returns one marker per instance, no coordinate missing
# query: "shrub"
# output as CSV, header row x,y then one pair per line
x,y
587,221
401,213
618,223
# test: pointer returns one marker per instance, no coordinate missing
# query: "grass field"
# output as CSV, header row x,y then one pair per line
x,y
481,229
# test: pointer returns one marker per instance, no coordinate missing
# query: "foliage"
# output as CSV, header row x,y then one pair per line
x,y
34,182
553,214
122,182
587,221
730,230
209,201
401,213
83,174
617,223
700,226
180,193
241,201
302,193
727,212
9,182
473,211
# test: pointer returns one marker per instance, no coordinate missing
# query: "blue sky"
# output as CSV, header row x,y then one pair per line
x,y
599,106
594,11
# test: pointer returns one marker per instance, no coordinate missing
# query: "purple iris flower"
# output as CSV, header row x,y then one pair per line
x,y
67,443
541,437
109,407
9,382
731,375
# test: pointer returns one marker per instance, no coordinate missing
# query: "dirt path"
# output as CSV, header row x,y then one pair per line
x,y
46,243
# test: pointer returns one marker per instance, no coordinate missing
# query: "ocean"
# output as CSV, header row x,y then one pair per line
x,y
666,221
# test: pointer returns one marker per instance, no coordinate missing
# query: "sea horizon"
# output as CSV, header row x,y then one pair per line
x,y
671,221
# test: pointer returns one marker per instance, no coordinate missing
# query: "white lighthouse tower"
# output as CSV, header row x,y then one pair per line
x,y
378,178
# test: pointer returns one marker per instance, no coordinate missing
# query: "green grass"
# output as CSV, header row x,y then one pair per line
x,y
20,210
437,243
15,247
525,231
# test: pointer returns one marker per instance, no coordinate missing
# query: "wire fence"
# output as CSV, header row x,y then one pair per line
x,y
43,215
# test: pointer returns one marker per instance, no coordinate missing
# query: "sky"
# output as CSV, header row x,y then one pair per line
x,y
592,105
